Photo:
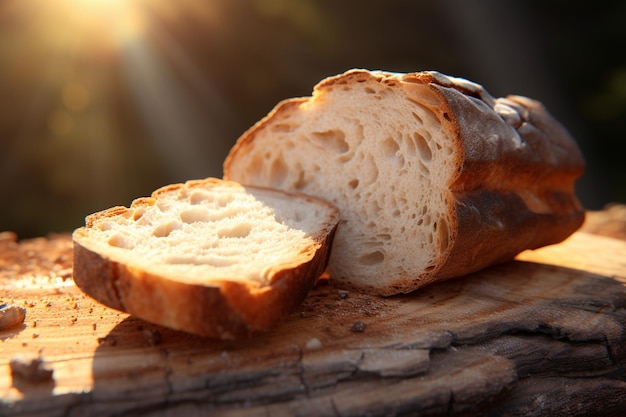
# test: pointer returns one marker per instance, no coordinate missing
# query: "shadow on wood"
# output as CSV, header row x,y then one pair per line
x,y
521,338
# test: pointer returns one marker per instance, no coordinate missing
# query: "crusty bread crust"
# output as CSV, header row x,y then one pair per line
x,y
224,309
513,187
507,198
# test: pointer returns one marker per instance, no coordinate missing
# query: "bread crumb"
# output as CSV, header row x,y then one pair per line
x,y
153,337
343,294
11,316
313,344
358,327
109,340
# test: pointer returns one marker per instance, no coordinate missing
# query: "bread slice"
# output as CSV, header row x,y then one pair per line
x,y
433,177
210,257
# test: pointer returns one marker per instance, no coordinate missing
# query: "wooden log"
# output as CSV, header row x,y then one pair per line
x,y
542,335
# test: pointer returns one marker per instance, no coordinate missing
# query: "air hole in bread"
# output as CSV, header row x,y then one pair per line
x,y
239,230
423,169
104,226
390,147
410,148
223,199
358,134
138,213
210,260
278,170
370,171
372,258
164,206
199,197
333,140
120,241
256,164
418,118
444,234
369,90
301,182
427,116
353,183
164,229
300,216
426,154
193,215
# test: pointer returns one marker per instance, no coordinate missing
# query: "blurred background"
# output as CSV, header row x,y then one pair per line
x,y
102,101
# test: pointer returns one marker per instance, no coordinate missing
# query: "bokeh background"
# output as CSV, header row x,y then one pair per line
x,y
102,101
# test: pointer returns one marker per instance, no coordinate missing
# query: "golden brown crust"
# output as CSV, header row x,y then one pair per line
x,y
515,189
223,309
226,311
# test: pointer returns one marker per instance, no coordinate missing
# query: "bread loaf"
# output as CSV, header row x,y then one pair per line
x,y
434,178
210,257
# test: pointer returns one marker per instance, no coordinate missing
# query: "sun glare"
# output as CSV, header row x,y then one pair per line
x,y
101,89
114,22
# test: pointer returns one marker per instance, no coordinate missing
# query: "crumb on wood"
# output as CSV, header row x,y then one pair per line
x,y
153,337
11,316
358,327
107,340
313,344
33,370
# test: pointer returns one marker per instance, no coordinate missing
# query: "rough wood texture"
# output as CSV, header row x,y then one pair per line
x,y
543,335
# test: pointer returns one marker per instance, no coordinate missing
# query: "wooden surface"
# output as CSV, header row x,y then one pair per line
x,y
543,335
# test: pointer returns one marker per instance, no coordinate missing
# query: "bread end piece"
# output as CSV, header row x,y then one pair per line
x,y
219,308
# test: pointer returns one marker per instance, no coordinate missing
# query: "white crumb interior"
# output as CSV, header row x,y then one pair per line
x,y
383,159
200,235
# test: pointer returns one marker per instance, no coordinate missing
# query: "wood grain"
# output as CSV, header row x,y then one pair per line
x,y
542,335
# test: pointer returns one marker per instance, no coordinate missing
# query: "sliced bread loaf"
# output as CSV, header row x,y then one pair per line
x,y
434,178
210,257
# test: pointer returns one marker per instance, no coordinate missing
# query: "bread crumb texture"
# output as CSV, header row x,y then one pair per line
x,y
353,147
203,230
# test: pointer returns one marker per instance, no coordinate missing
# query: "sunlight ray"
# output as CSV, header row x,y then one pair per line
x,y
168,113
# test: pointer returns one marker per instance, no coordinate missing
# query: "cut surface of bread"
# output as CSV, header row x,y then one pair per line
x,y
434,178
209,256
